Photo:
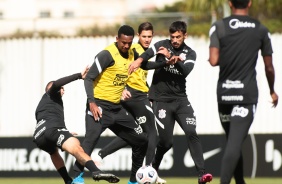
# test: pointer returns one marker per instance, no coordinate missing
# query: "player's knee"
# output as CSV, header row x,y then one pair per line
x,y
191,133
165,146
77,150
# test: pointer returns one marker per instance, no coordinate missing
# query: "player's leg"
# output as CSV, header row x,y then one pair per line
x,y
143,113
112,147
45,142
92,135
241,119
239,171
126,128
224,116
187,121
72,146
140,112
165,125
59,164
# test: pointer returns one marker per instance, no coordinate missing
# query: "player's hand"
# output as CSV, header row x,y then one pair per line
x,y
173,60
125,95
134,65
95,110
84,72
274,97
164,51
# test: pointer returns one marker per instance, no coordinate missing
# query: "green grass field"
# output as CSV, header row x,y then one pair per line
x,y
124,181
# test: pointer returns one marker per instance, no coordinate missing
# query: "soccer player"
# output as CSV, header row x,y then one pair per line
x,y
51,132
234,45
168,93
104,84
135,100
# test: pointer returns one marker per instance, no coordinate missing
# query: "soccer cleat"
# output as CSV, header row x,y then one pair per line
x,y
100,175
204,178
79,179
129,182
160,181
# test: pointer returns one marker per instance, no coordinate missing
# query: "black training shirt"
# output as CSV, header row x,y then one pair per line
x,y
239,39
50,107
169,82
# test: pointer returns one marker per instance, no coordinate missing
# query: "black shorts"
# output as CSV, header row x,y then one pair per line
x,y
52,138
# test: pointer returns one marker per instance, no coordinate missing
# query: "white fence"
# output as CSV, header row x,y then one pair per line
x,y
26,65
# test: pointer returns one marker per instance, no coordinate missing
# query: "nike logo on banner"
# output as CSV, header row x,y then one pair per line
x,y
188,161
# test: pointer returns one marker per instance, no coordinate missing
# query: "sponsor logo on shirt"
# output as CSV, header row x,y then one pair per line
x,y
232,84
239,111
232,98
172,70
235,24
39,132
191,121
120,80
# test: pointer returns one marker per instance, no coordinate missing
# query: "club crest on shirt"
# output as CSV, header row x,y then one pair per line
x,y
60,139
162,113
182,56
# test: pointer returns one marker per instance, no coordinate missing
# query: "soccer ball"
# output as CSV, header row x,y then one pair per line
x,y
146,175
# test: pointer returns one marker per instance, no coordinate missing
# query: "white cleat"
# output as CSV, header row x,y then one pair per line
x,y
160,181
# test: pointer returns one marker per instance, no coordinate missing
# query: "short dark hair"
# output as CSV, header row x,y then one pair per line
x,y
178,26
49,84
240,4
126,30
147,26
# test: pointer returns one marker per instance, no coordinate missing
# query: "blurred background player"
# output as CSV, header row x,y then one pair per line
x,y
51,132
234,45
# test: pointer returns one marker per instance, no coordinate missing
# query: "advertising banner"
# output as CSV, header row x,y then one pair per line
x,y
19,157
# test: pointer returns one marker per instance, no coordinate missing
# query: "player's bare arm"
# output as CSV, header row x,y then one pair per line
x,y
270,75
214,56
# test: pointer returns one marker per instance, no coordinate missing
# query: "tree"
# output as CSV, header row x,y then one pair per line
x,y
267,11
214,8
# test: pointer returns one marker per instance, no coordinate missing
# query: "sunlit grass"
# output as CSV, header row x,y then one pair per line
x,y
170,180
